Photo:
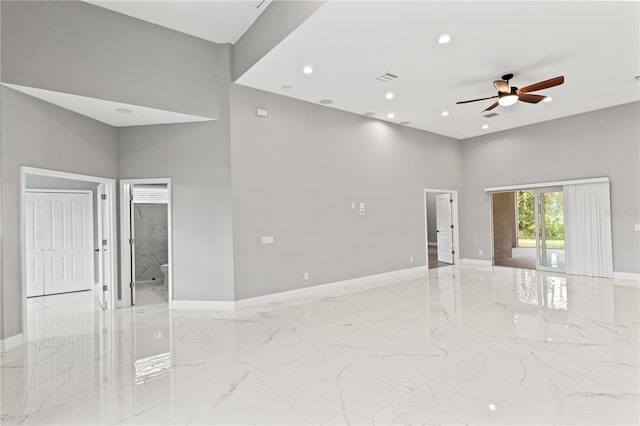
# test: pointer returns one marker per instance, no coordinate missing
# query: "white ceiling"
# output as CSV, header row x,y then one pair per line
x,y
106,111
595,45
216,21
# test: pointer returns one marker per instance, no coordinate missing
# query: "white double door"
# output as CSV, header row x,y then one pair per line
x,y
59,242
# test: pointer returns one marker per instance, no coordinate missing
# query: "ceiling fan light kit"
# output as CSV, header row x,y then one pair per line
x,y
509,95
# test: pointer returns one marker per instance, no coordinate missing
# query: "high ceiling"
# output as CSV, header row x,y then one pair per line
x,y
216,21
595,45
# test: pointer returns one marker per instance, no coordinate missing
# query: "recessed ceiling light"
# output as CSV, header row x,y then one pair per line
x,y
307,69
485,126
389,95
492,407
325,101
124,110
369,114
391,115
404,123
444,39
547,99
286,87
445,113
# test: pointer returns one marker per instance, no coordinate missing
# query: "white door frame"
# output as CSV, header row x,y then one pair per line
x,y
456,227
110,188
125,232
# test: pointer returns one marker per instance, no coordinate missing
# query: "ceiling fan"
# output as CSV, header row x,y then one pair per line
x,y
509,95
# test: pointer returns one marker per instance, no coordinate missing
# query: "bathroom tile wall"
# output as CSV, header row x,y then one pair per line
x,y
151,241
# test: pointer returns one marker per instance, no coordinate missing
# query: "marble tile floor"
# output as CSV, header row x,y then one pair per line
x,y
466,345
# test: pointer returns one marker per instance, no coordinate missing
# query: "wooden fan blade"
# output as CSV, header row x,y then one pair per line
x,y
491,107
542,85
502,86
530,98
476,100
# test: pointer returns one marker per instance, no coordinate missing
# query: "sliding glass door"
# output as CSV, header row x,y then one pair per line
x,y
550,239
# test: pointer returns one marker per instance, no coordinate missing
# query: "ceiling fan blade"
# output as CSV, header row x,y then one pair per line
x,y
552,82
476,100
495,104
530,98
502,86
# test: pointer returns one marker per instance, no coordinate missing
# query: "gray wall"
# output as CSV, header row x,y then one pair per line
x,y
431,217
151,241
38,134
79,48
295,175
196,158
599,143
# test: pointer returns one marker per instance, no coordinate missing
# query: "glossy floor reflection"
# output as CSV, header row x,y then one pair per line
x,y
466,345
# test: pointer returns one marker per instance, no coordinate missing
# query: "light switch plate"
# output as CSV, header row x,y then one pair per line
x,y
267,239
361,212
636,227
362,205
261,112
353,205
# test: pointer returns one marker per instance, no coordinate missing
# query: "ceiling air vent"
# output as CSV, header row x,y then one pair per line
x,y
386,77
491,115
255,3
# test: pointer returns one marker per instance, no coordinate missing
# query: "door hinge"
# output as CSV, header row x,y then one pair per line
x,y
131,285
103,196
104,288
104,242
131,241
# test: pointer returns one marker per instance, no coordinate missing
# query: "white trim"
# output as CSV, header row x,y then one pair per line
x,y
64,175
476,262
432,245
331,289
59,191
546,184
124,237
456,225
212,305
634,278
11,342
345,286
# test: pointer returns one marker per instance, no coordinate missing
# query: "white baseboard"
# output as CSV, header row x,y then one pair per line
x,y
11,342
212,305
338,287
477,262
627,279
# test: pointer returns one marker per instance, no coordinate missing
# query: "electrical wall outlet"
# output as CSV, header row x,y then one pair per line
x,y
480,252
636,227
267,239
411,259
306,276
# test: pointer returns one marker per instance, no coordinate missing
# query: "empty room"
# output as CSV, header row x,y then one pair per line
x,y
319,212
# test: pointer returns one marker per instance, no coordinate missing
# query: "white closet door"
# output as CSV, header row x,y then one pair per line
x,y
68,242
443,224
59,242
34,266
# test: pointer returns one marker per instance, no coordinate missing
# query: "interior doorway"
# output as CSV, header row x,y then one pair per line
x,y
67,230
441,227
146,235
528,228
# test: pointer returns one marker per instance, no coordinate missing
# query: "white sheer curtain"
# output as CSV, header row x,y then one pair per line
x,y
587,210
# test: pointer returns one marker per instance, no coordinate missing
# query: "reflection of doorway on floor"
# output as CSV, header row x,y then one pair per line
x,y
439,245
